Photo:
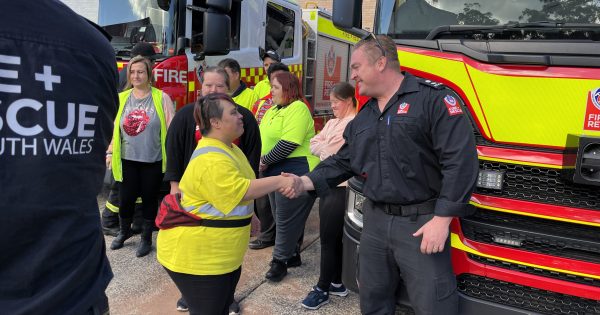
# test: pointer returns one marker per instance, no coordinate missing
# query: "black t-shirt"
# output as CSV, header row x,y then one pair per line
x,y
58,99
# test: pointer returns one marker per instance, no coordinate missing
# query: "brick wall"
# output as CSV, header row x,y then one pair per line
x,y
368,9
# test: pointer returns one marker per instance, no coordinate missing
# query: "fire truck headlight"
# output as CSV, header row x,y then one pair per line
x,y
355,207
490,179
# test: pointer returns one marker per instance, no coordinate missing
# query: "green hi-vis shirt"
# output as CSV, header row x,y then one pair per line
x,y
292,123
262,88
246,98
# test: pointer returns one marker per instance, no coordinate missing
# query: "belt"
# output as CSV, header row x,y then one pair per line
x,y
225,223
413,210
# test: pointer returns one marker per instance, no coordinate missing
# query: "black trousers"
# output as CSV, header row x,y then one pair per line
x,y
207,295
331,226
140,179
388,249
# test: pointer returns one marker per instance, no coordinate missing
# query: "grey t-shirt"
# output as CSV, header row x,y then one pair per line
x,y
140,130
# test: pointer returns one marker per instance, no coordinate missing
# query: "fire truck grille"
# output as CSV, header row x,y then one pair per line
x,y
535,271
527,298
561,239
543,185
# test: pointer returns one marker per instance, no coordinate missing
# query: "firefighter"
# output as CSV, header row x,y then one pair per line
x,y
241,94
263,87
415,150
261,106
110,213
57,105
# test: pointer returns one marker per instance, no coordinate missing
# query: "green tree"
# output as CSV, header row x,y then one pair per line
x,y
569,11
472,16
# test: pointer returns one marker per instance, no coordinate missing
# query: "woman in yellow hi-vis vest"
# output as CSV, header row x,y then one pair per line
x,y
219,186
137,153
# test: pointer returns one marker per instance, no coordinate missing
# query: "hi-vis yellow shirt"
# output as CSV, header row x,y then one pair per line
x,y
213,185
246,99
262,88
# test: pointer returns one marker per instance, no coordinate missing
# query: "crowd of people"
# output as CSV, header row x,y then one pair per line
x,y
238,151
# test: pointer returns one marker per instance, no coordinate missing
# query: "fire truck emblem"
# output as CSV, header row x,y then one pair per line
x,y
403,108
330,61
595,95
452,105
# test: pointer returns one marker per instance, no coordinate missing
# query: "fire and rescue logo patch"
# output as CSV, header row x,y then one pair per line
x,y
596,98
452,105
403,108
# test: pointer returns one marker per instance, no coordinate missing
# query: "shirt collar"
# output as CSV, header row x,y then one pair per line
x,y
239,90
409,84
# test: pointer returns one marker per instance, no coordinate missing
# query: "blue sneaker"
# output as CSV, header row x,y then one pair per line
x,y
339,291
315,299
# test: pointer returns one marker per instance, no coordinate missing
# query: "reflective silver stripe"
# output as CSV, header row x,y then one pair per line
x,y
204,150
238,211
208,208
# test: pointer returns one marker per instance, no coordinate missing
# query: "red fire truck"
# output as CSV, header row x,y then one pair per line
x,y
190,35
528,75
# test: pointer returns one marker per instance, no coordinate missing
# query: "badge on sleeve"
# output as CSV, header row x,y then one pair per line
x,y
403,108
452,105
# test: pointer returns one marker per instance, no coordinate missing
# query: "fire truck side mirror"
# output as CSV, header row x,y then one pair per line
x,y
164,4
217,34
347,13
223,6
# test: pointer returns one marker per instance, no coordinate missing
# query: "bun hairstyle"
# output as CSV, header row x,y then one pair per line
x,y
343,91
209,107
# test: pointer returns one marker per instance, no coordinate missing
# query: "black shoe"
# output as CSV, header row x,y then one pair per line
x,y
260,244
110,231
182,305
146,239
277,272
295,261
234,308
124,234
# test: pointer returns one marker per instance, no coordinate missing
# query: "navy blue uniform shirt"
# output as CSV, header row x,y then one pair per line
x,y
58,99
421,147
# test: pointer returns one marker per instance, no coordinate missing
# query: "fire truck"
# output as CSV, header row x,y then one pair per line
x,y
189,35
528,77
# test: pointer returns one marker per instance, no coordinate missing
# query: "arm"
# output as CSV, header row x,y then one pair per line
x,y
175,146
250,142
168,109
454,144
262,186
317,143
281,151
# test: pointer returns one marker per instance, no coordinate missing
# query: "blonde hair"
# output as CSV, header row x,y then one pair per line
x,y
147,64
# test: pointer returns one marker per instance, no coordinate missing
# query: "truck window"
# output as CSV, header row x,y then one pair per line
x,y
198,24
279,35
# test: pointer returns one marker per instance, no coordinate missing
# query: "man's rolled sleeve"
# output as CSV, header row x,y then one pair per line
x,y
445,208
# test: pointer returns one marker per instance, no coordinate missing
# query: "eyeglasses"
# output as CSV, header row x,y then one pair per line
x,y
377,43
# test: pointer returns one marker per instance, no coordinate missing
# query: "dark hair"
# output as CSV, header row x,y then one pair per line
x,y
343,91
217,70
277,66
290,86
208,107
376,46
231,64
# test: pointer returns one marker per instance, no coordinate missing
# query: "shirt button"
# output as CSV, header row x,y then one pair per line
x,y
380,118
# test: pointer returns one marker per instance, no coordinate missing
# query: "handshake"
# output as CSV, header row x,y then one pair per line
x,y
292,186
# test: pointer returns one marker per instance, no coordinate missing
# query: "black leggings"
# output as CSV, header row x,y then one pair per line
x,y
140,179
207,295
331,215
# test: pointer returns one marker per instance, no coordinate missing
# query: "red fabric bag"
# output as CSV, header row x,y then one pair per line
x,y
171,214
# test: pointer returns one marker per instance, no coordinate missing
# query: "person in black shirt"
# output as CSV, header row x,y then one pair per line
x,y
415,150
58,100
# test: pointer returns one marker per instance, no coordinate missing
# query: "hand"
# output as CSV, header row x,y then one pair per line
x,y
288,185
108,161
434,232
174,188
262,167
